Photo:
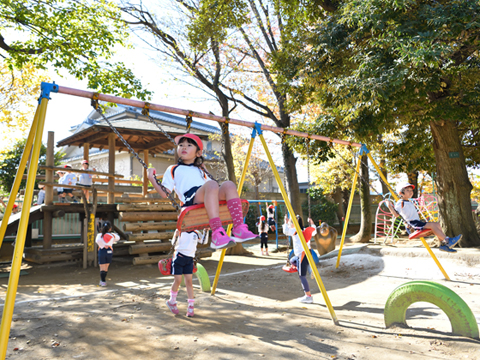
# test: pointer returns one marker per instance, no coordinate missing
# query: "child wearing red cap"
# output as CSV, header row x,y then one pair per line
x,y
408,212
263,231
190,180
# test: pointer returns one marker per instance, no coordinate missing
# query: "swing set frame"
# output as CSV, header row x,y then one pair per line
x,y
33,144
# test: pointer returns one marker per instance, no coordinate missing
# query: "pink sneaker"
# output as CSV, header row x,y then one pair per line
x,y
190,311
173,307
241,234
220,240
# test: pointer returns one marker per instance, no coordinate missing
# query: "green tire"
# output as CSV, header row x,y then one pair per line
x,y
202,277
460,315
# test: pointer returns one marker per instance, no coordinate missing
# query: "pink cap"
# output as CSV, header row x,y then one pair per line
x,y
190,136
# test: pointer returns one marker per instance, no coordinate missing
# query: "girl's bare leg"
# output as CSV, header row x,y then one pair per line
x,y
437,230
210,200
189,285
177,280
227,191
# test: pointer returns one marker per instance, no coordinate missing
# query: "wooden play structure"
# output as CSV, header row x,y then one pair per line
x,y
134,211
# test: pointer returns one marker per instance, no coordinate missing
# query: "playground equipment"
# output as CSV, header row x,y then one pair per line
x,y
387,226
460,315
33,144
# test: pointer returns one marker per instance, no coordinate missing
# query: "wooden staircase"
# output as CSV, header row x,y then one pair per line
x,y
151,226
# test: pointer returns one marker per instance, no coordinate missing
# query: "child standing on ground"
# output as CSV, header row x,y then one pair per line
x,y
408,212
302,262
105,242
190,180
263,232
182,264
271,217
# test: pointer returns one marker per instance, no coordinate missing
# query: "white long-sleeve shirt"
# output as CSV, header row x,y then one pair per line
x,y
297,243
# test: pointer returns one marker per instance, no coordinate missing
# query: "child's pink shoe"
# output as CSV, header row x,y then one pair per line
x,y
190,311
220,240
241,234
173,307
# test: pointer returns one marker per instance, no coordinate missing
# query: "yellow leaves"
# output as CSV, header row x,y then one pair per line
x,y
19,90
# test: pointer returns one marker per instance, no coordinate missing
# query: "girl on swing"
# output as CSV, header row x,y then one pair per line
x,y
191,182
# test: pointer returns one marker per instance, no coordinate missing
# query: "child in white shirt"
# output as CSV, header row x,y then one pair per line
x,y
302,266
408,212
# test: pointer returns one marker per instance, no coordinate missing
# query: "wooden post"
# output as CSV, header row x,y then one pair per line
x,y
145,179
47,230
47,217
49,172
28,237
85,242
111,168
86,150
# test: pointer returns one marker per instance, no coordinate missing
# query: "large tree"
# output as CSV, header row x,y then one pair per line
x,y
411,64
204,67
72,35
260,32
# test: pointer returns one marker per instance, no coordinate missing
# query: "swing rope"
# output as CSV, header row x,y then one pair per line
x,y
98,109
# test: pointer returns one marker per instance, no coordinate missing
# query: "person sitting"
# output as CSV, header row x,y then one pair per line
x,y
408,212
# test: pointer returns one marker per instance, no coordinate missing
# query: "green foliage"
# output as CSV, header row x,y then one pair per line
x,y
214,19
393,67
321,208
10,160
78,36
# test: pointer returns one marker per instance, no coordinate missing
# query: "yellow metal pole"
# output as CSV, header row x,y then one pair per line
x,y
349,210
396,199
299,232
22,231
434,258
18,177
229,229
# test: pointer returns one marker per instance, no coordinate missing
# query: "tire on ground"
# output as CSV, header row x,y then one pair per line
x,y
460,315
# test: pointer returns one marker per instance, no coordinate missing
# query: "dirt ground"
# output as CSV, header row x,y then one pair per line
x,y
61,312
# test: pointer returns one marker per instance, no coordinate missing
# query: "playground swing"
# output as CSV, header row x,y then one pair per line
x,y
192,217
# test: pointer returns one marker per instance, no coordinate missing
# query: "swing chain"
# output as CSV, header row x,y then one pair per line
x,y
133,152
188,120
146,112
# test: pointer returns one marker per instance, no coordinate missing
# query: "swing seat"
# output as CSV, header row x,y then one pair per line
x,y
420,233
195,217
289,268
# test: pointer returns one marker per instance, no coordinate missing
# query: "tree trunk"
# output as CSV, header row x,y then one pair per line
x,y
453,185
227,150
413,179
293,191
338,199
365,232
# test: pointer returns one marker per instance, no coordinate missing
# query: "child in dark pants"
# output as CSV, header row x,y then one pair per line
x,y
105,242
182,264
263,231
